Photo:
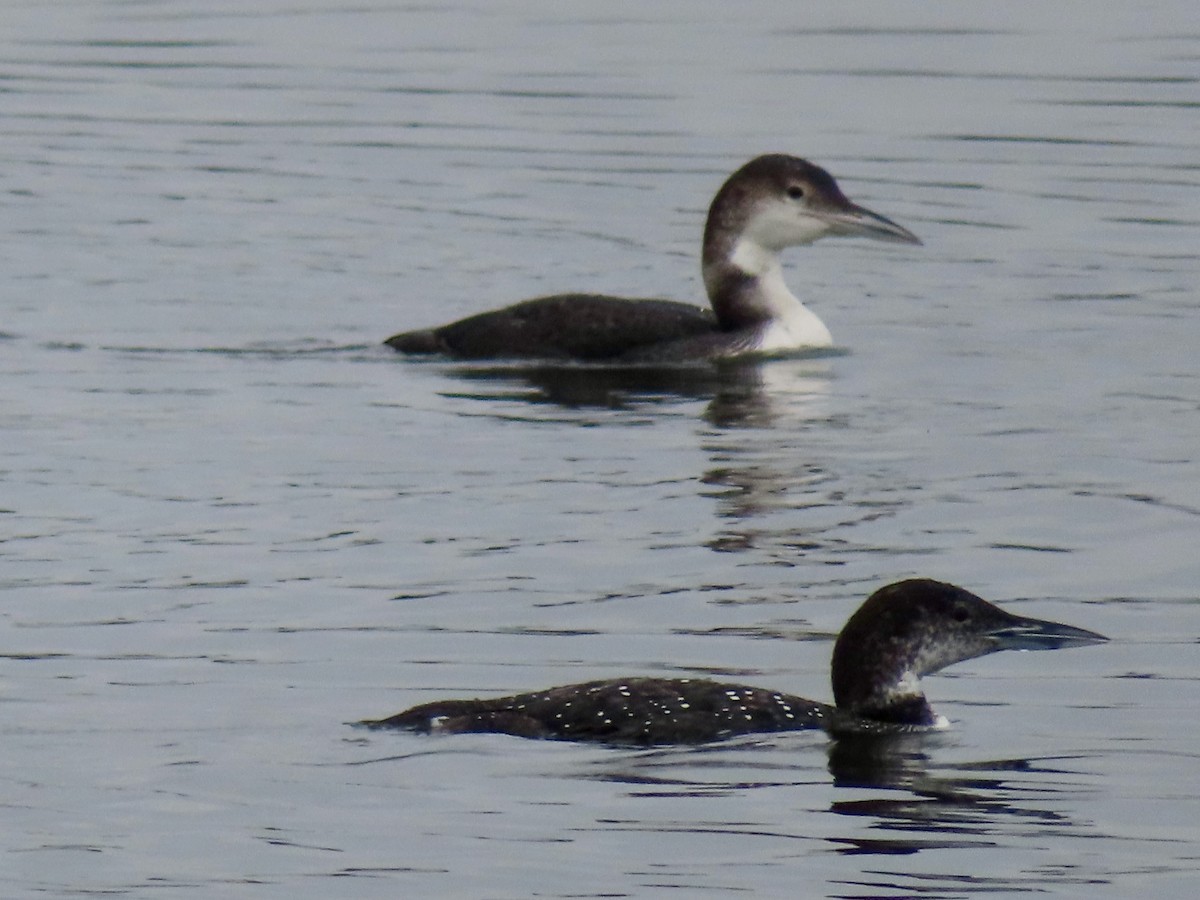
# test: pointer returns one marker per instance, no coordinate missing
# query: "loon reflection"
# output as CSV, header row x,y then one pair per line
x,y
771,203
903,631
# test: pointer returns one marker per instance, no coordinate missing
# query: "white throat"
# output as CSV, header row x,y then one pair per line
x,y
791,324
908,687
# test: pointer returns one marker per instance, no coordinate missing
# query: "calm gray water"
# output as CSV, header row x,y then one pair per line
x,y
231,522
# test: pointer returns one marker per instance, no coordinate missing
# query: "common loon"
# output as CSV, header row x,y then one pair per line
x,y
772,202
903,631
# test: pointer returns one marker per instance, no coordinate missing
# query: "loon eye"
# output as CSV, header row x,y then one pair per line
x,y
795,192
961,614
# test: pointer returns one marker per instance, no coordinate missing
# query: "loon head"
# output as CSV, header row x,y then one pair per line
x,y
777,201
916,627
771,203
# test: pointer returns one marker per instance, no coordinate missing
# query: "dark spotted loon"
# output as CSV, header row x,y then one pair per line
x,y
770,203
903,631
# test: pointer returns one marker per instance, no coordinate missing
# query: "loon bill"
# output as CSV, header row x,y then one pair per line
x,y
903,631
771,203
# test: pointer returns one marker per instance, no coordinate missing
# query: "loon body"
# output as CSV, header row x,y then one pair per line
x,y
771,203
903,631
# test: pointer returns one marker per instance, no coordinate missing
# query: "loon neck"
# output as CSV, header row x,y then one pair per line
x,y
902,632
896,702
745,286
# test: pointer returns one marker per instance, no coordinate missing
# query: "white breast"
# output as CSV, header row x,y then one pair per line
x,y
798,328
791,325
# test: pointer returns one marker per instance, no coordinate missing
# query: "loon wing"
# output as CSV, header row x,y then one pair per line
x,y
564,326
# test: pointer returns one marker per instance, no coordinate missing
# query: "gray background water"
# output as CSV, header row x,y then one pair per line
x,y
230,522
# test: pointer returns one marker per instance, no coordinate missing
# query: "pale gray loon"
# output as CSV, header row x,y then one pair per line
x,y
771,203
903,631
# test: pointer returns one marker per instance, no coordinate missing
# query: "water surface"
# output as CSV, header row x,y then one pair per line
x,y
232,522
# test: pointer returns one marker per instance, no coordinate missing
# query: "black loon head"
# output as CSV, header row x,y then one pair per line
x,y
771,203
916,627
